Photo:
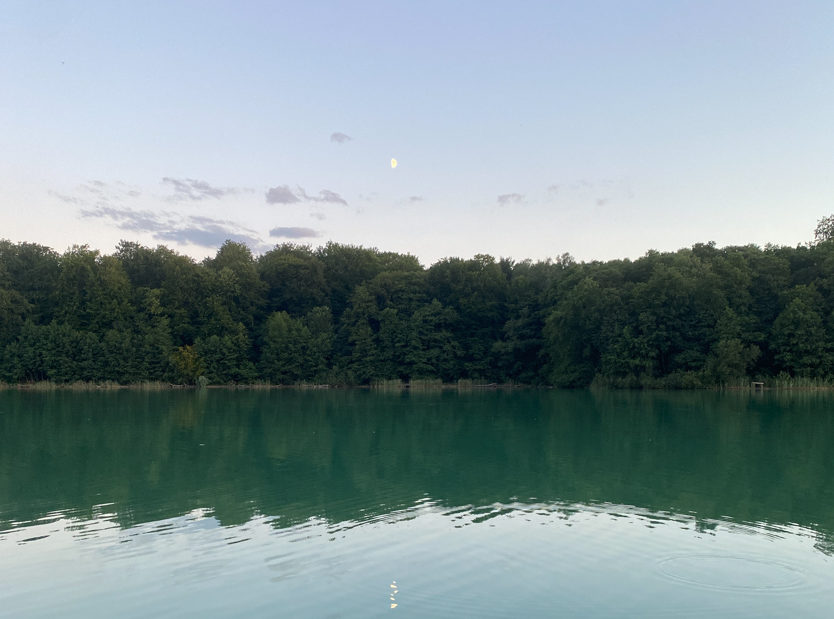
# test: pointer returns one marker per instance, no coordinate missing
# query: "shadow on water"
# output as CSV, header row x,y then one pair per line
x,y
348,456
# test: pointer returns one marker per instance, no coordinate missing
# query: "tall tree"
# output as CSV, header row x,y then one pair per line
x,y
294,278
239,286
800,341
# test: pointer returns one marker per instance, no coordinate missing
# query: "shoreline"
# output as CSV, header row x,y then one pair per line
x,y
801,385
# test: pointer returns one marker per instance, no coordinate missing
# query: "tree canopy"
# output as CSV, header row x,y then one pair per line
x,y
345,314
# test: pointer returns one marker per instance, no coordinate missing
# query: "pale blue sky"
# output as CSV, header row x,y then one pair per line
x,y
522,129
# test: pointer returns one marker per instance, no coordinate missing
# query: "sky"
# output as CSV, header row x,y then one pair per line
x,y
521,129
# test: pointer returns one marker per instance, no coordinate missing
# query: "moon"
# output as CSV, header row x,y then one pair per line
x,y
393,162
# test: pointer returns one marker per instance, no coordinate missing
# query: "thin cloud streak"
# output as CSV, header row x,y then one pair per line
x,y
294,233
325,195
196,190
65,198
282,194
510,198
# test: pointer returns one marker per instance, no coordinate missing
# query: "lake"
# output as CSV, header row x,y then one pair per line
x,y
352,503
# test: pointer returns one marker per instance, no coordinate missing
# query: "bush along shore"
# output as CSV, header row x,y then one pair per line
x,y
341,315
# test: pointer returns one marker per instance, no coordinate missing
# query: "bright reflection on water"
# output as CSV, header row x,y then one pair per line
x,y
353,504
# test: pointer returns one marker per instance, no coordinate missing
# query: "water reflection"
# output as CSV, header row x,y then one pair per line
x,y
528,503
429,559
352,456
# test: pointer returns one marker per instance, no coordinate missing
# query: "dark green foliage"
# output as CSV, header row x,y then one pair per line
x,y
477,290
226,357
824,230
32,271
294,279
237,286
799,340
319,322
432,351
186,365
285,348
13,310
345,267
697,317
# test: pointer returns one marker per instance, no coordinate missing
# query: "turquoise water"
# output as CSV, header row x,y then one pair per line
x,y
357,504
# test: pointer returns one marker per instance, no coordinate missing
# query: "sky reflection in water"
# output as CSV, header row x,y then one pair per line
x,y
495,560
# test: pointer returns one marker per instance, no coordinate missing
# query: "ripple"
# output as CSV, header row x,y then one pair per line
x,y
725,572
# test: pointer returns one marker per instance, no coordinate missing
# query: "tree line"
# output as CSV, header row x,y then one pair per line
x,y
342,314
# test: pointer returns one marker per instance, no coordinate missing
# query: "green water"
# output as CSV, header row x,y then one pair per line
x,y
357,504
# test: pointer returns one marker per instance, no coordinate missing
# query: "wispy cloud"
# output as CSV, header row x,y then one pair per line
x,y
282,194
413,199
193,189
98,192
165,226
318,215
601,191
113,202
130,219
94,186
211,233
293,233
325,195
66,198
510,198
340,138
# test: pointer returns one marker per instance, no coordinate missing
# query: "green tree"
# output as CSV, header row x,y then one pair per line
x,y
226,357
187,365
154,338
238,284
574,334
730,357
345,268
799,340
432,350
476,290
13,308
294,279
284,357
32,271
824,230
120,358
319,322
358,329
391,345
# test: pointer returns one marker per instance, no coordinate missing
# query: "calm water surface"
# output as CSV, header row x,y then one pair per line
x,y
358,504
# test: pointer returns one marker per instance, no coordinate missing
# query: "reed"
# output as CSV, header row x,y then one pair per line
x,y
785,382
425,384
390,384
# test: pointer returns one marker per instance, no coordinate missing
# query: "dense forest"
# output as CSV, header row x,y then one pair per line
x,y
342,314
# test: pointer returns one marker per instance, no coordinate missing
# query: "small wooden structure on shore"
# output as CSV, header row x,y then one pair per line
x,y
757,386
